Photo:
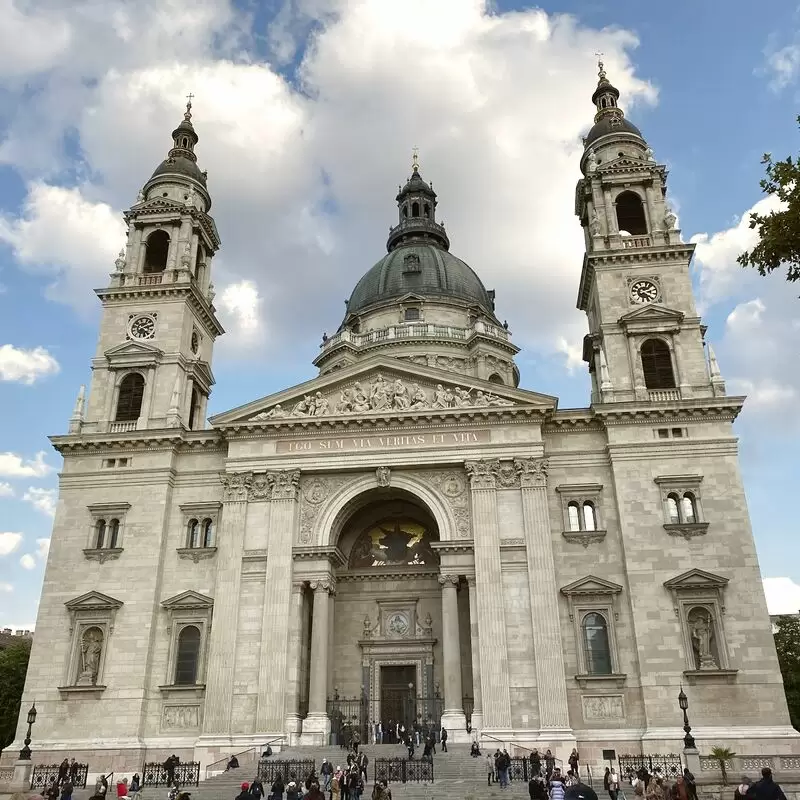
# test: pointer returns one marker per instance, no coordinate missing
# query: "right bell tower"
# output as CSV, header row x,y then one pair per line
x,y
645,340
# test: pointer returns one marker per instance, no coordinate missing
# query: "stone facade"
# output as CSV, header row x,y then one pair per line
x,y
402,536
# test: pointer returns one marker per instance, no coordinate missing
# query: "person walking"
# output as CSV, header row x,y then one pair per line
x,y
536,762
556,785
573,762
766,788
244,794
613,784
326,773
489,768
444,740
356,741
66,790
276,790
691,783
256,788
549,766
742,789
536,788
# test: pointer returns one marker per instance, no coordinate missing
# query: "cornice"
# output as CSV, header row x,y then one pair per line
x,y
139,441
610,259
453,547
465,345
704,408
331,554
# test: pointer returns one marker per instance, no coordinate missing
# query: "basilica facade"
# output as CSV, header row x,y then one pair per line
x,y
409,536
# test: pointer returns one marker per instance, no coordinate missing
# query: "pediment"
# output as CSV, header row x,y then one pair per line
x,y
159,205
624,162
652,312
383,386
591,584
93,601
133,353
696,579
187,600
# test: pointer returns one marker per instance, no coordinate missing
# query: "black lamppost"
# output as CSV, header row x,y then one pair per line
x,y
25,753
688,739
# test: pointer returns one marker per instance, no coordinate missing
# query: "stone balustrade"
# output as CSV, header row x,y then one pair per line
x,y
122,427
664,395
749,765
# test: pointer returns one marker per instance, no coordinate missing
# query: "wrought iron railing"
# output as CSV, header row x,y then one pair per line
x,y
403,770
670,766
43,774
288,769
185,774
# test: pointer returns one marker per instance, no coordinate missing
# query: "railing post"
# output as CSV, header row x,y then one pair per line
x,y
403,776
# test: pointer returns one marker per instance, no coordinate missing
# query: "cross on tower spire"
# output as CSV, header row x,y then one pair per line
x,y
415,158
188,115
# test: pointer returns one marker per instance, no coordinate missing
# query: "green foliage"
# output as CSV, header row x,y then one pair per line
x,y
787,643
778,231
13,666
723,755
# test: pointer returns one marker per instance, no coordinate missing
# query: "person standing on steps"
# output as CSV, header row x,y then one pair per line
x,y
444,740
549,765
256,788
356,741
573,762
326,772
536,762
276,790
489,768
244,794
536,788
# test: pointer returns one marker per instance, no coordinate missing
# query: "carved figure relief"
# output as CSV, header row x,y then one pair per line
x,y
181,717
385,395
701,627
453,486
91,650
384,476
603,708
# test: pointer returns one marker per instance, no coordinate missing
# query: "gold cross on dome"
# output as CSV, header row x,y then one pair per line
x,y
190,97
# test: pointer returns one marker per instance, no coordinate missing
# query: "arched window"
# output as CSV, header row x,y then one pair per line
x,y
131,392
194,409
689,508
415,209
589,517
113,533
495,378
156,251
208,532
657,365
100,534
574,513
426,210
672,509
595,643
411,315
193,533
188,656
630,213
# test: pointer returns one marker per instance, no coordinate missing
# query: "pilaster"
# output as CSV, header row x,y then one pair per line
x,y
222,639
477,692
550,682
488,580
293,720
280,487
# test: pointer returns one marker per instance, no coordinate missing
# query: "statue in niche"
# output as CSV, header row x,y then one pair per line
x,y
425,628
670,219
591,161
701,627
383,474
367,634
594,223
91,650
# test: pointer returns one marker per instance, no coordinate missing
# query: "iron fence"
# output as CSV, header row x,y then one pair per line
x,y
348,715
403,770
43,774
289,769
184,774
670,766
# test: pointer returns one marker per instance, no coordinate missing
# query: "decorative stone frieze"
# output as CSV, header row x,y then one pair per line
x,y
687,530
483,473
236,486
260,488
284,483
532,472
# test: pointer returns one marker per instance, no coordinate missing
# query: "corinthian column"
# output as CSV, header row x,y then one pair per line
x,y
488,581
317,725
275,623
477,693
453,716
293,723
222,639
550,682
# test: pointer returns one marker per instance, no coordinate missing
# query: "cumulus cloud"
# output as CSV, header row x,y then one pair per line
x,y
782,66
303,171
783,595
42,499
28,561
43,548
6,489
25,366
14,466
9,542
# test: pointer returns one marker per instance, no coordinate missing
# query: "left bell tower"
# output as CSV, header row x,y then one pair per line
x,y
152,368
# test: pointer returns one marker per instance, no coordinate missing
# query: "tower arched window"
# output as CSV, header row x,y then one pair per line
x,y
589,517
193,533
496,378
156,251
131,394
194,409
415,209
113,533
574,515
657,365
630,213
673,510
100,534
596,644
188,656
208,532
689,508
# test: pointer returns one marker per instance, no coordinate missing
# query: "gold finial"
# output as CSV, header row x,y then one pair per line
x,y
415,158
188,115
601,72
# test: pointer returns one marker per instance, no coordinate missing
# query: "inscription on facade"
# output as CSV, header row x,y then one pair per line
x,y
394,441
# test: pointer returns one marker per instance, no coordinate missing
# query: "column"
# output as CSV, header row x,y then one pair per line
x,y
317,725
282,488
550,682
453,717
293,721
477,693
220,674
489,583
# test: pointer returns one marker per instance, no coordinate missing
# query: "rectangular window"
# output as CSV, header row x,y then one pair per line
x,y
663,433
677,433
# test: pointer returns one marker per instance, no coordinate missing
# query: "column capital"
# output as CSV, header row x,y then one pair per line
x,y
326,584
483,473
236,486
470,578
448,580
532,472
284,483
298,586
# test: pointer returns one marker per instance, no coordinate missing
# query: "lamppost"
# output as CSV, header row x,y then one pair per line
x,y
688,739
25,753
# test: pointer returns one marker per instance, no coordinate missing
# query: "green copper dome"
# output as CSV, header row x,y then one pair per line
x,y
425,270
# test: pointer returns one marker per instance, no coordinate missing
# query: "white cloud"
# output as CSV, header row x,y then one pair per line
x,y
25,366
240,303
42,548
14,466
573,353
783,66
6,588
29,42
9,542
6,489
783,595
42,499
28,561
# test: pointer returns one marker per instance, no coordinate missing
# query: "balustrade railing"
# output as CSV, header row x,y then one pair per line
x,y
6,776
636,241
122,427
664,395
751,765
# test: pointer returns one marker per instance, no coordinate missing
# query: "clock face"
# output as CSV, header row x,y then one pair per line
x,y
643,291
143,327
195,342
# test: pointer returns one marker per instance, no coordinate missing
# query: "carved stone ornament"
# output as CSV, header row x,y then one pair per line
x,y
687,530
323,585
260,488
384,476
384,396
313,492
483,473
102,554
584,538
453,486
236,486
451,580
532,472
284,483
507,476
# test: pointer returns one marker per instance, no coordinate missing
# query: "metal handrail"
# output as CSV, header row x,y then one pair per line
x,y
504,742
259,749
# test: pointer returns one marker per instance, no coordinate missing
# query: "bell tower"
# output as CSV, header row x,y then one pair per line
x,y
645,341
152,367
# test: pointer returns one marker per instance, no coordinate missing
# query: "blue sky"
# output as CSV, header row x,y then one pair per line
x,y
307,112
